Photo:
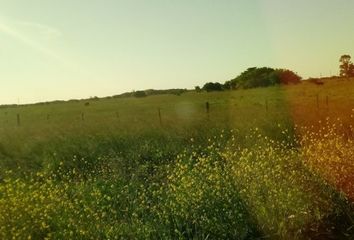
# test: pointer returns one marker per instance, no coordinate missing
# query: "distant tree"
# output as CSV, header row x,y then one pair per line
x,y
287,77
351,70
253,77
346,67
262,77
95,98
228,85
197,89
175,91
210,86
139,94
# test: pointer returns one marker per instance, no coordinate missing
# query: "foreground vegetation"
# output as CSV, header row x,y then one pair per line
x,y
265,163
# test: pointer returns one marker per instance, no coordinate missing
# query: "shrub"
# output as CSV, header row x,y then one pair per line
x,y
209,87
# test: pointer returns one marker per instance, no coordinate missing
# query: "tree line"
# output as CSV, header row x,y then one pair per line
x,y
265,76
254,77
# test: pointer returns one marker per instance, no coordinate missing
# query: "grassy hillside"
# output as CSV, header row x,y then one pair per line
x,y
274,162
183,116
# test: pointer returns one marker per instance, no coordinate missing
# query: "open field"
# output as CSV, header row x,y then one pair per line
x,y
273,162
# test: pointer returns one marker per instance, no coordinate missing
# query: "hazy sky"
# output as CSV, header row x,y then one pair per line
x,y
80,48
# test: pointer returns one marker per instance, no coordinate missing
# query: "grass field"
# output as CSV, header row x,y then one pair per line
x,y
273,163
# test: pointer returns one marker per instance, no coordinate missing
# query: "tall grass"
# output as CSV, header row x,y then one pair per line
x,y
222,189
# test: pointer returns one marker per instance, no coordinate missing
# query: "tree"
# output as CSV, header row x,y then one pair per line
x,y
351,70
262,77
287,77
139,94
228,85
197,89
346,67
210,86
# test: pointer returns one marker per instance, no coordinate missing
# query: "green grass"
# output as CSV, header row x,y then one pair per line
x,y
182,116
239,172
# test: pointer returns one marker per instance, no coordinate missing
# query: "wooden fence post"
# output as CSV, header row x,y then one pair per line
x,y
207,109
18,119
82,116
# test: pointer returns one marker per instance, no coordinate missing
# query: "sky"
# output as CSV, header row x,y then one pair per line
x,y
66,49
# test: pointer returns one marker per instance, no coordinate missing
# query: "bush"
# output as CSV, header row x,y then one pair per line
x,y
212,87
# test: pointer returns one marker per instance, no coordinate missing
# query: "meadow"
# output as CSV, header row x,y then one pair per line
x,y
265,163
